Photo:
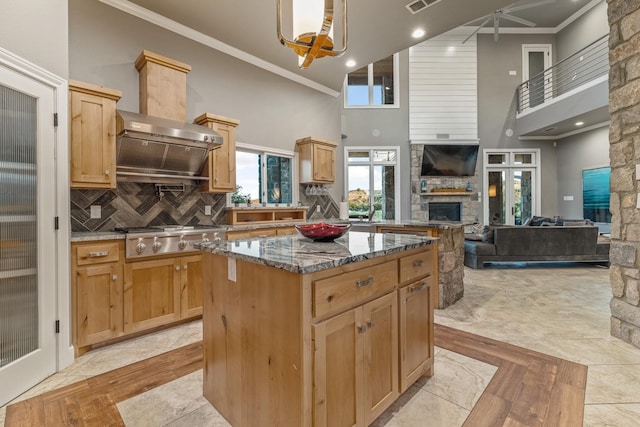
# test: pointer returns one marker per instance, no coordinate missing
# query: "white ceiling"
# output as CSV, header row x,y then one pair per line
x,y
376,29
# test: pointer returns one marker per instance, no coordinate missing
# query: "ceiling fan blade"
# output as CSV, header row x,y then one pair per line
x,y
510,9
477,29
496,27
518,20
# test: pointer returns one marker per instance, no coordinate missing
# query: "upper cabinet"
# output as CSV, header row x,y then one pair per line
x,y
221,165
93,135
317,159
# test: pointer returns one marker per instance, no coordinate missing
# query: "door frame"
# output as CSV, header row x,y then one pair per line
x,y
509,167
548,79
61,205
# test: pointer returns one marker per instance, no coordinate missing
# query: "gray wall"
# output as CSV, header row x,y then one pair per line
x,y
583,31
358,124
37,31
583,151
273,112
497,107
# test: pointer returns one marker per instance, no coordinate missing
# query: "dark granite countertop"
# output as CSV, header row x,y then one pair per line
x,y
301,255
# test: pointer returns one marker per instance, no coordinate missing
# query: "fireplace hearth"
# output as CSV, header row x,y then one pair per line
x,y
445,211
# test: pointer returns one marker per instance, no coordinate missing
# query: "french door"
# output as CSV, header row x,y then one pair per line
x,y
28,280
511,186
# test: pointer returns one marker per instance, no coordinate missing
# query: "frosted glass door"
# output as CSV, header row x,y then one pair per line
x,y
27,251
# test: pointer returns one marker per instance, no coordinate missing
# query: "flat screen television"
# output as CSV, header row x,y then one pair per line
x,y
449,160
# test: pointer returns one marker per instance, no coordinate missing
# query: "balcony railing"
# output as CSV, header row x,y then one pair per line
x,y
572,72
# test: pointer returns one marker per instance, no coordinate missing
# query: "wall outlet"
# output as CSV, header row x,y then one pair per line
x,y
96,211
513,73
207,210
317,208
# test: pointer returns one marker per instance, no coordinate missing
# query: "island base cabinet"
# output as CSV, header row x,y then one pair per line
x,y
416,331
355,364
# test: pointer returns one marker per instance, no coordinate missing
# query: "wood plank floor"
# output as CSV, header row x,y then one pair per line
x,y
528,389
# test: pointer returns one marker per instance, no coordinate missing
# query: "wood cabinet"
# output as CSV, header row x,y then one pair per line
x,y
333,357
113,298
317,160
260,232
191,286
221,164
355,364
92,135
265,215
97,292
417,296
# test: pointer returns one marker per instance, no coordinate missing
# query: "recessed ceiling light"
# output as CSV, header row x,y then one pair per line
x,y
350,63
579,123
417,33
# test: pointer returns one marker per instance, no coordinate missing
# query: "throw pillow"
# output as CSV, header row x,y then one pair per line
x,y
479,232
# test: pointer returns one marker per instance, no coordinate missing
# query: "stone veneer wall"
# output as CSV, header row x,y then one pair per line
x,y
420,203
450,266
624,152
138,205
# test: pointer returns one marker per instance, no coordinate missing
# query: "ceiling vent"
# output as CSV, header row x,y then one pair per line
x,y
416,6
549,129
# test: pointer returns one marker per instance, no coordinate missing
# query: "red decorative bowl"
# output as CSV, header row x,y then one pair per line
x,y
323,232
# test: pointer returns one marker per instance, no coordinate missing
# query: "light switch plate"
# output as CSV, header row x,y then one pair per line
x,y
96,211
512,72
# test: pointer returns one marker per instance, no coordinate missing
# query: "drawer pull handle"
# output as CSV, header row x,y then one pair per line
x,y
418,288
363,283
418,263
98,254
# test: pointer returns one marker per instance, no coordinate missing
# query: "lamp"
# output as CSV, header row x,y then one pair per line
x,y
308,17
492,191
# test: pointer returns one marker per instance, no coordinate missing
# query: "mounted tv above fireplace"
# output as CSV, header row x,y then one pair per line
x,y
449,160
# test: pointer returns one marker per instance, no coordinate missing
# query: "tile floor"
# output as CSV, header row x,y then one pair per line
x,y
562,310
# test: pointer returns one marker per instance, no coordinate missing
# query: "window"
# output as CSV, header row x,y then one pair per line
x,y
374,85
371,182
264,176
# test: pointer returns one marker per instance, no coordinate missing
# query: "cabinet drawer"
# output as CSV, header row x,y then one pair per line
x,y
348,289
418,265
98,253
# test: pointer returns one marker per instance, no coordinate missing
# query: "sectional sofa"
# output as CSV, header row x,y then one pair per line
x,y
543,243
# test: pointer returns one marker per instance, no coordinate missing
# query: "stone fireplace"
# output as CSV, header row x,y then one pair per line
x,y
445,211
436,192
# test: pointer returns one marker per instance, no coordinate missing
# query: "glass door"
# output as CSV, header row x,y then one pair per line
x,y
27,237
537,59
511,183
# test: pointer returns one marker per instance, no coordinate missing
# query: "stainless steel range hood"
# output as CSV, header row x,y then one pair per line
x,y
153,149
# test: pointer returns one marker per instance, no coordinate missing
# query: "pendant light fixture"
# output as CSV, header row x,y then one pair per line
x,y
313,29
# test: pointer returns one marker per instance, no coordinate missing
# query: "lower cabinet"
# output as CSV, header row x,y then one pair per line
x,y
112,298
151,293
98,307
355,364
416,331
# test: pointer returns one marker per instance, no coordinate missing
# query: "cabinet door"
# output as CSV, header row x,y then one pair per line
x,y
93,151
151,293
323,163
191,286
223,173
380,317
416,331
99,303
337,374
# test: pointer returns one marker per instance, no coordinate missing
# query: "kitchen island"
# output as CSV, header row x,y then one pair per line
x,y
303,333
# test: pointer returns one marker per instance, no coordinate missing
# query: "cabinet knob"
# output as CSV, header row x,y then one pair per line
x,y
418,263
106,172
362,329
184,267
370,324
114,277
177,268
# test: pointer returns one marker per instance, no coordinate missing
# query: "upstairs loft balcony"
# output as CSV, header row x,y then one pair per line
x,y
575,89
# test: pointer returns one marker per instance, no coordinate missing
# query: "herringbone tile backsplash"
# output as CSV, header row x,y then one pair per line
x,y
138,205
